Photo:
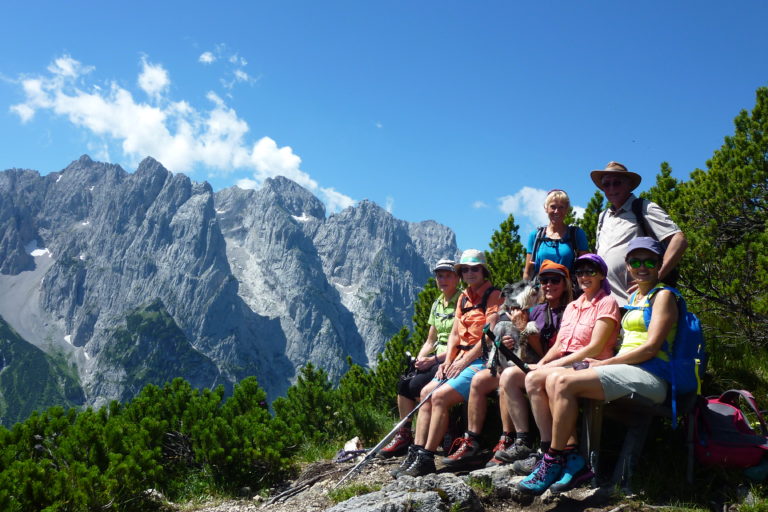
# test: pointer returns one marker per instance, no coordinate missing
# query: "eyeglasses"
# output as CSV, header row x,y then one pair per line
x,y
647,263
612,184
476,268
551,280
585,272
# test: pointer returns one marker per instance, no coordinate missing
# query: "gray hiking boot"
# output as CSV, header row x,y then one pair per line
x,y
423,464
518,451
409,458
524,467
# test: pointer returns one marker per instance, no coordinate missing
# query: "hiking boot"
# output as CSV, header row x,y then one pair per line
x,y
423,464
399,444
462,451
504,443
518,450
575,472
410,457
547,472
526,466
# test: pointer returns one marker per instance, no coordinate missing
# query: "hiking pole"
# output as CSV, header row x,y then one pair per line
x,y
372,453
509,354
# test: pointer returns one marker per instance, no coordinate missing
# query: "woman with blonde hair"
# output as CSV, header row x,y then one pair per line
x,y
556,241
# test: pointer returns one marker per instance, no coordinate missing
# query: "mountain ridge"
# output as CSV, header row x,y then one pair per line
x,y
258,282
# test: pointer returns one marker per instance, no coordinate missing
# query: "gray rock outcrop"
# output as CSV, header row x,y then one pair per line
x,y
242,282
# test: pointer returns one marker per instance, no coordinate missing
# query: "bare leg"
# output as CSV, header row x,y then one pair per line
x,y
482,384
535,385
404,405
566,388
425,415
511,395
442,401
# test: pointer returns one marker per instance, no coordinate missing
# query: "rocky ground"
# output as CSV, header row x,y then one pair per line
x,y
486,490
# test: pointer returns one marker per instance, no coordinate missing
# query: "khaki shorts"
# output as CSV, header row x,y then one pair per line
x,y
620,380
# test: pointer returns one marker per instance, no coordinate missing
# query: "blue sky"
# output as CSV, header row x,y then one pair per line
x,y
456,111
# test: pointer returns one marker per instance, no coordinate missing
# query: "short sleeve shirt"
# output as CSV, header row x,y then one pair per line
x,y
470,323
559,251
441,318
579,319
618,228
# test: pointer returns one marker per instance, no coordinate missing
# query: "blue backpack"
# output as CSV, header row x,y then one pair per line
x,y
687,358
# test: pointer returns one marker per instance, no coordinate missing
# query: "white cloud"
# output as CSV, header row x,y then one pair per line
x,y
247,184
379,125
479,204
207,58
527,203
174,132
389,204
153,79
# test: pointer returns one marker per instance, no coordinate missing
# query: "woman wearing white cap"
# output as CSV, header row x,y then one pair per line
x,y
430,356
478,306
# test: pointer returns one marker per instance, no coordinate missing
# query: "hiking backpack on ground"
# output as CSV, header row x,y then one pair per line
x,y
722,434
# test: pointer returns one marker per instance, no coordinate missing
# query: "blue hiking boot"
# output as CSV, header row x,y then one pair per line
x,y
575,472
547,471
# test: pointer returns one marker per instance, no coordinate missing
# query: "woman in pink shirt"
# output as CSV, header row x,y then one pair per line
x,y
589,329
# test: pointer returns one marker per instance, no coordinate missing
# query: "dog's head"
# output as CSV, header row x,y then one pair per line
x,y
519,295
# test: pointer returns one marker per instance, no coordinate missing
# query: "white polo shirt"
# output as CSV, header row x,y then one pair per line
x,y
618,228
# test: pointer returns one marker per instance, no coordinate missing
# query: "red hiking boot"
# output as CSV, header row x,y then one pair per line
x,y
463,450
399,444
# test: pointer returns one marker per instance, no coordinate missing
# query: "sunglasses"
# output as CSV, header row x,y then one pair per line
x,y
585,272
551,280
647,263
612,184
476,268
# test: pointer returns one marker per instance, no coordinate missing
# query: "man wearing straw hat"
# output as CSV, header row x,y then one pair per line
x,y
619,224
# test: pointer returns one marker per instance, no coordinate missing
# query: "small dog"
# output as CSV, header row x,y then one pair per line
x,y
519,295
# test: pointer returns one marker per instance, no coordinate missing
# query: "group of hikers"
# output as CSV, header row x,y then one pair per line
x,y
573,340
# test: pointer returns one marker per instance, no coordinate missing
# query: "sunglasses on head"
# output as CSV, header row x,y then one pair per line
x,y
550,280
647,263
585,272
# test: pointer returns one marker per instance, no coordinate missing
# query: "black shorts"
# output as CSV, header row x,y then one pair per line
x,y
410,386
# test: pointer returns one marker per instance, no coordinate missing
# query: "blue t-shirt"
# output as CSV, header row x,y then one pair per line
x,y
559,251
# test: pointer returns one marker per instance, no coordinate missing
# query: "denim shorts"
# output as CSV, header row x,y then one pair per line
x,y
461,383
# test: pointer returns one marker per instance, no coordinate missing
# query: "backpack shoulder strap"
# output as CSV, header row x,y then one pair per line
x,y
572,241
732,397
638,208
483,302
541,234
600,220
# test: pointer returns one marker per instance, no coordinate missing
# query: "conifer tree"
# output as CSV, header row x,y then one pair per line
x,y
723,212
421,310
506,259
588,221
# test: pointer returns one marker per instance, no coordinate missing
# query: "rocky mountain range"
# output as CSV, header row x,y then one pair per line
x,y
119,279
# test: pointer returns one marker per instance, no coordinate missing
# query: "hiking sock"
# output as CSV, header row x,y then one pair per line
x,y
408,425
545,446
558,455
524,437
472,435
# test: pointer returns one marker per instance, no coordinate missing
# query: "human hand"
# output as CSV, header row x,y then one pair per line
x,y
509,341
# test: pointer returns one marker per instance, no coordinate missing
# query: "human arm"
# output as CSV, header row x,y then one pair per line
x,y
529,266
582,244
427,357
602,331
676,246
450,352
663,318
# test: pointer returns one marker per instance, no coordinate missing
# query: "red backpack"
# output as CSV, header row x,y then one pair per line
x,y
722,433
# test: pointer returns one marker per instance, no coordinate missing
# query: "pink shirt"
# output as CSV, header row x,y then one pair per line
x,y
579,319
